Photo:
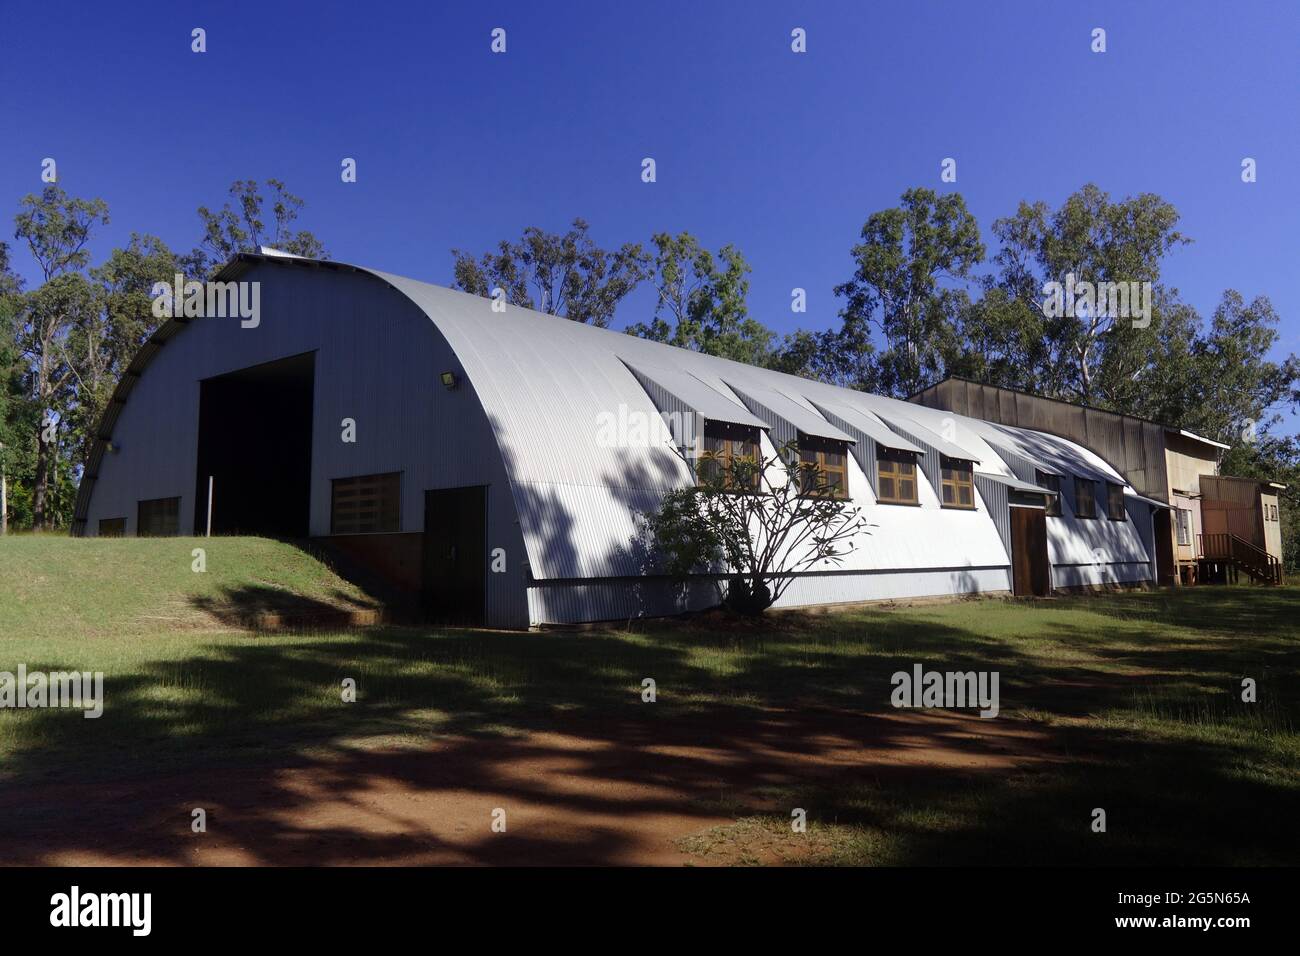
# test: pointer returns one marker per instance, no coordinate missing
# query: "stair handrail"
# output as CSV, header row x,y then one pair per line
x,y
1226,545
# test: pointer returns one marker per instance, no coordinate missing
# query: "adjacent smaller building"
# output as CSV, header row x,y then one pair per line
x,y
1209,520
1241,521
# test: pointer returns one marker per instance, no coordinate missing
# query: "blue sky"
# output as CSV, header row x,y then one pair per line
x,y
784,155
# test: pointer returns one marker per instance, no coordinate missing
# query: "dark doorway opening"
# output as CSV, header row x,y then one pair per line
x,y
255,444
1030,572
455,554
1164,542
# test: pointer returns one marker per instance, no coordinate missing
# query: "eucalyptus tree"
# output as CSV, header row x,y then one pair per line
x,y
912,266
56,229
256,214
560,274
701,301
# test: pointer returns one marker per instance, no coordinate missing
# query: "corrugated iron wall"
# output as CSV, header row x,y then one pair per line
x,y
997,497
1143,517
673,410
863,449
1020,466
1135,448
1232,506
781,432
377,362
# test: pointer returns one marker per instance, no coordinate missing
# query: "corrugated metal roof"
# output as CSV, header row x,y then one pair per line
x,y
706,401
801,418
545,383
934,439
1150,501
869,425
1017,484
1010,449
1059,455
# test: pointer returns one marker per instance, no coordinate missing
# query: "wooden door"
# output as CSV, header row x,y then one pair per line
x,y
1030,572
455,554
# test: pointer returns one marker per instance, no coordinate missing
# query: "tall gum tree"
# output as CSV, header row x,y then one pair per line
x,y
56,229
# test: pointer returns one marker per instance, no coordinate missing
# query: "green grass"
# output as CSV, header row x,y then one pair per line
x,y
54,587
1138,693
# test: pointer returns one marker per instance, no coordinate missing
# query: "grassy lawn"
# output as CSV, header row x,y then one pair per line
x,y
1138,696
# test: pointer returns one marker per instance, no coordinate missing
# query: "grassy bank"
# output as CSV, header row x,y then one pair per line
x,y
1137,696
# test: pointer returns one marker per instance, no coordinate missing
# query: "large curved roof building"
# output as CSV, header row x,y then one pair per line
x,y
497,460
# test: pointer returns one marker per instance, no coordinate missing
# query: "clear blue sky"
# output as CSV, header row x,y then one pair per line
x,y
783,154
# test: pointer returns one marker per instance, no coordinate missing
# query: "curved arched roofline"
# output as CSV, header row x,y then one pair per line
x,y
238,265
527,375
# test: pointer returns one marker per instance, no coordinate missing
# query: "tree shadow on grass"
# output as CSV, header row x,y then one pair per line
x,y
449,725
260,607
1250,611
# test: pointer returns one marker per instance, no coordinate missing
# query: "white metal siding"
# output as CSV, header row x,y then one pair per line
x,y
526,421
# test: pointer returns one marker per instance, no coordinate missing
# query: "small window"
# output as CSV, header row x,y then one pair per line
x,y
366,504
1275,512
112,527
158,518
895,477
958,487
1052,483
1115,501
1184,527
1085,502
733,453
829,458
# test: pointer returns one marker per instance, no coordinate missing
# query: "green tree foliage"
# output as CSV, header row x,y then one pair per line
x,y
113,333
1233,388
911,265
65,343
255,215
1091,357
1169,366
56,228
12,432
567,275
701,301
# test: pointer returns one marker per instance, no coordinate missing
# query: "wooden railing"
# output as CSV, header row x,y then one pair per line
x,y
1255,561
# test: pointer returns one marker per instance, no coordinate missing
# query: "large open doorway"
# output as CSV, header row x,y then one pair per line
x,y
1031,575
255,446
455,554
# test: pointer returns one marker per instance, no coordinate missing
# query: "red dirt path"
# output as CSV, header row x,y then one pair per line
x,y
627,797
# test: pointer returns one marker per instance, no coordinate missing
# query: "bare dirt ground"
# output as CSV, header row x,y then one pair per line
x,y
628,795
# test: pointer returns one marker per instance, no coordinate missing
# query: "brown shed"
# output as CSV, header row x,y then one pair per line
x,y
1244,507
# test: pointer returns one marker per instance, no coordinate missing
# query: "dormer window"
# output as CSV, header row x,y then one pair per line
x,y
895,476
957,483
731,454
823,467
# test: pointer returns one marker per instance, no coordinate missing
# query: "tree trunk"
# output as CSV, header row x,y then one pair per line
x,y
41,482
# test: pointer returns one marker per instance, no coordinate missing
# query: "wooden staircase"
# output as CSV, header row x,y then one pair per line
x,y
1221,556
